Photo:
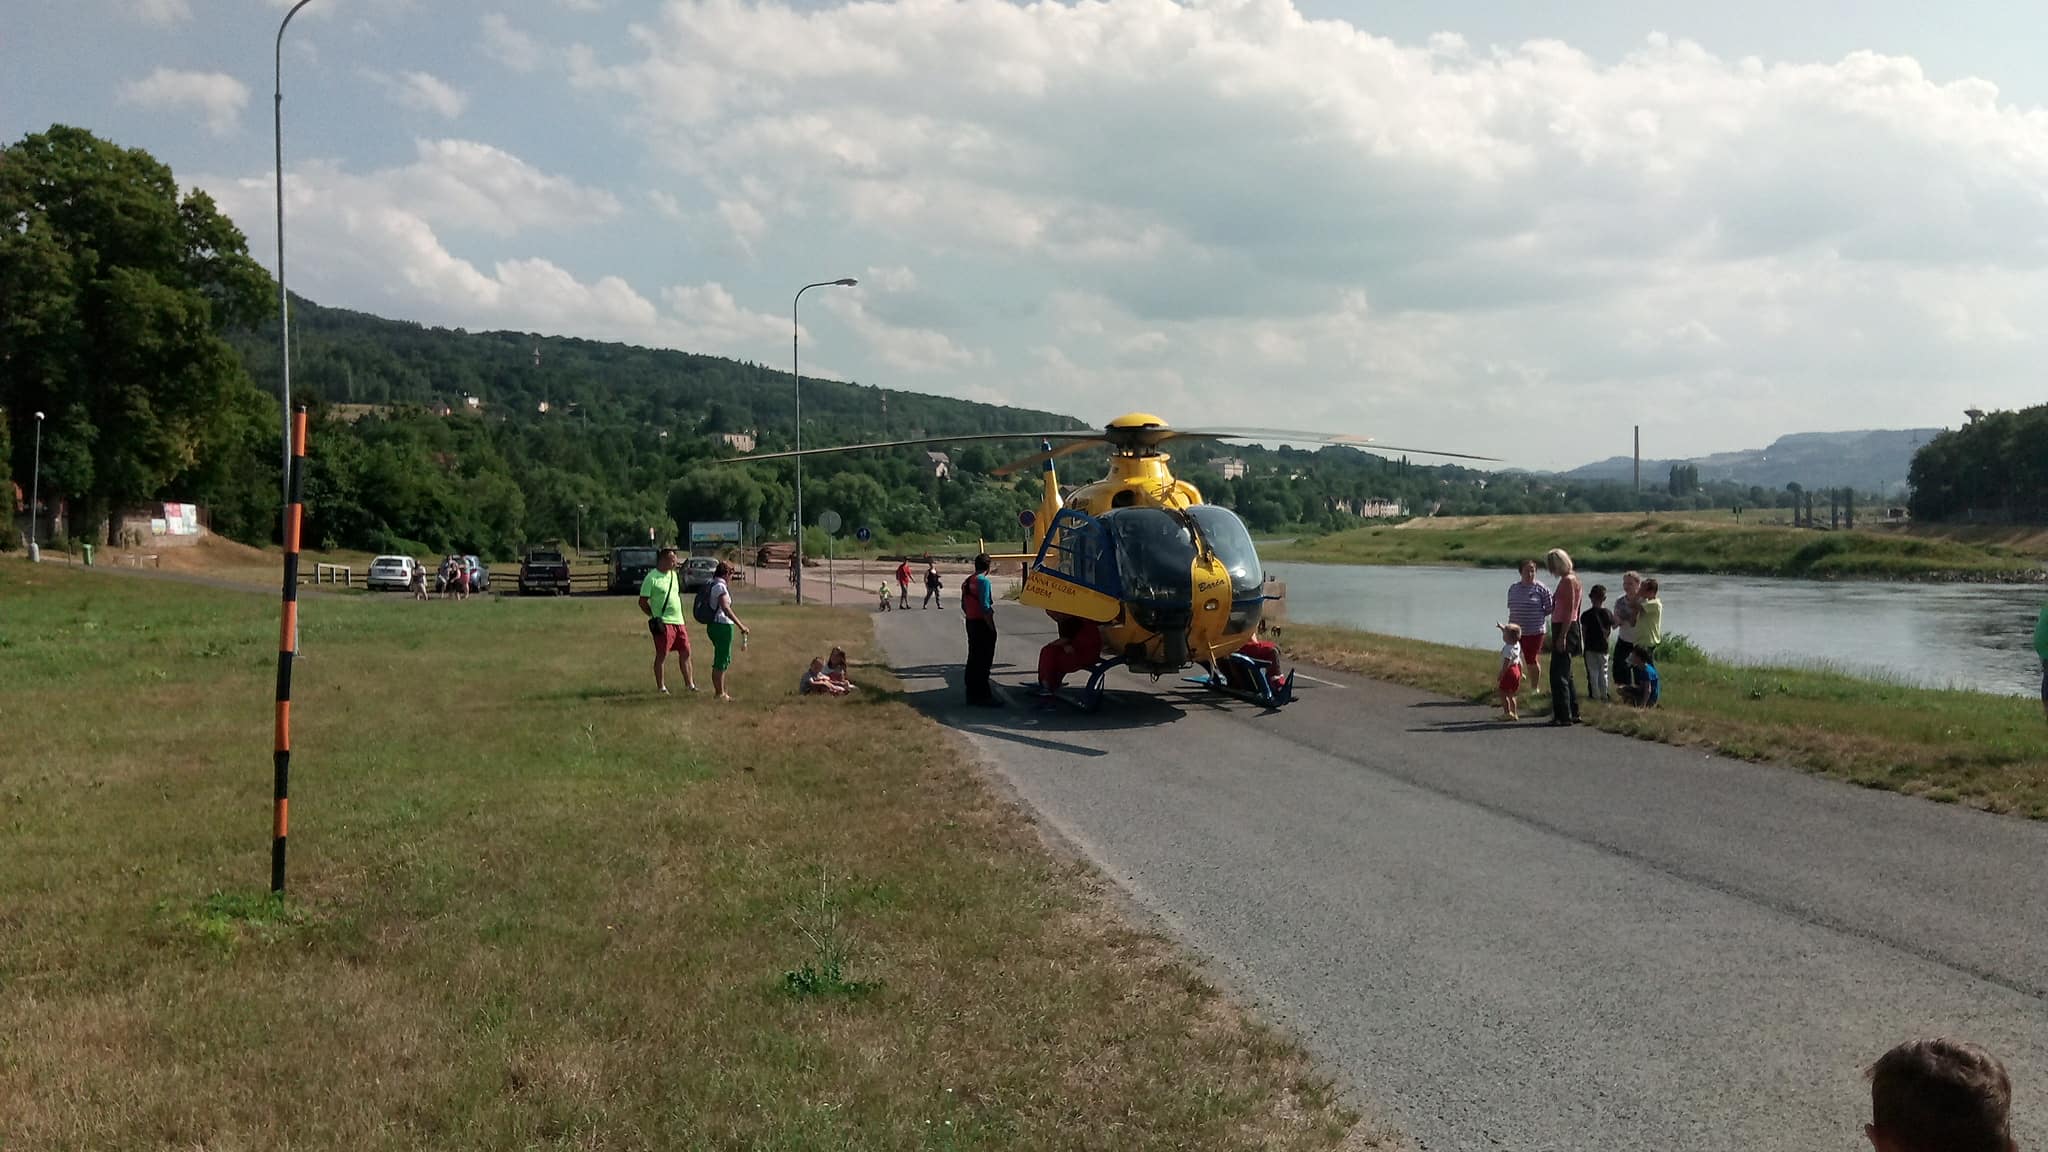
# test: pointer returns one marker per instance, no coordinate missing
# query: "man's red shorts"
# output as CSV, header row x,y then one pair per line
x,y
1532,647
670,638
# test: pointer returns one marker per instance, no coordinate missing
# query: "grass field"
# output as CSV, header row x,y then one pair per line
x,y
1692,542
535,906
1972,748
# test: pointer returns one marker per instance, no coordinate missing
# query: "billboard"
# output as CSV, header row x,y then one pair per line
x,y
707,534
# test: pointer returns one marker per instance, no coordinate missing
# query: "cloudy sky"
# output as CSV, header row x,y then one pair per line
x,y
1459,224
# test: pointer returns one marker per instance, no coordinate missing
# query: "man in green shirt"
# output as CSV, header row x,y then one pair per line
x,y
2041,650
661,597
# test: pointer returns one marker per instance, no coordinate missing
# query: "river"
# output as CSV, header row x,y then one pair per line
x,y
1977,636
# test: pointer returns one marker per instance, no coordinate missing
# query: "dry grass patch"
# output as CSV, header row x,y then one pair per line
x,y
534,905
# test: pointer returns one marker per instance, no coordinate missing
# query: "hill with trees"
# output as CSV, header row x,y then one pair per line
x,y
135,318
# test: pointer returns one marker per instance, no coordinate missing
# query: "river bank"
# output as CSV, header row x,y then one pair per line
x,y
1693,543
1985,751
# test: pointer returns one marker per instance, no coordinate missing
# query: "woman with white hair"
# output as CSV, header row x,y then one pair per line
x,y
1565,638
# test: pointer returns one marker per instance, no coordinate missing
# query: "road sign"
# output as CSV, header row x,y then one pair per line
x,y
1027,518
862,534
829,521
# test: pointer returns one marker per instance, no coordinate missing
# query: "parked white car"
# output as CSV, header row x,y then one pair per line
x,y
392,573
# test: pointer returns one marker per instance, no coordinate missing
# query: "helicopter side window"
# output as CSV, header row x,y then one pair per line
x,y
1076,549
1123,499
1232,544
1155,553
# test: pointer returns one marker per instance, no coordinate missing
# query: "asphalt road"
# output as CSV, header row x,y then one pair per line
x,y
1528,938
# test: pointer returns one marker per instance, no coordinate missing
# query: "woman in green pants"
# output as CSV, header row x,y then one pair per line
x,y
723,621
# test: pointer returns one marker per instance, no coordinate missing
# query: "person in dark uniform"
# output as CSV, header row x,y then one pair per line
x,y
978,605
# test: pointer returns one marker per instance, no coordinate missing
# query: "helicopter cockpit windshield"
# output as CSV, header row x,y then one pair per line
x,y
1226,536
1155,554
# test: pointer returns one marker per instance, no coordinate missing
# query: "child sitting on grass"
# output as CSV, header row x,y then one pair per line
x,y
816,683
1643,689
1511,670
835,671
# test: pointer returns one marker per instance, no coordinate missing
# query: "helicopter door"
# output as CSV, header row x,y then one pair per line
x,y
1075,573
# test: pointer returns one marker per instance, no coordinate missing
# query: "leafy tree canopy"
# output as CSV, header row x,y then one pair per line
x,y
114,294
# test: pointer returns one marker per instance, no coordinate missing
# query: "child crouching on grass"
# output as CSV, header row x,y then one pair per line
x,y
1511,670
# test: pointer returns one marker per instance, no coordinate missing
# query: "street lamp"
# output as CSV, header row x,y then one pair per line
x,y
284,319
579,531
797,379
35,489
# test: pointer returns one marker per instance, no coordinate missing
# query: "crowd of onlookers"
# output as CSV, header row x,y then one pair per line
x,y
1569,623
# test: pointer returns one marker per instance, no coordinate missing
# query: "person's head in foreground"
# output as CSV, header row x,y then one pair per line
x,y
1528,570
723,571
981,562
1939,1095
665,559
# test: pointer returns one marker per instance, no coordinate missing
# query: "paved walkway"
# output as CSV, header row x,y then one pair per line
x,y
1510,936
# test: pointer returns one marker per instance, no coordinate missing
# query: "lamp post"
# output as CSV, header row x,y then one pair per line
x,y
35,489
797,380
284,318
579,531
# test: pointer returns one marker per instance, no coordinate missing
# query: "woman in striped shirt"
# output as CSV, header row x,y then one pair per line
x,y
1529,607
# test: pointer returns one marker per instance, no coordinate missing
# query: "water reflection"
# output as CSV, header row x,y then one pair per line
x,y
1977,636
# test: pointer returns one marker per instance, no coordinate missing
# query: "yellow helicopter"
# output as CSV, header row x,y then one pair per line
x,y
1169,579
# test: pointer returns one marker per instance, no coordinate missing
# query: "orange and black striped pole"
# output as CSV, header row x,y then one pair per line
x,y
287,646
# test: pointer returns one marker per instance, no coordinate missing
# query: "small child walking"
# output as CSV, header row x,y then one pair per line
x,y
1511,670
1598,625
882,590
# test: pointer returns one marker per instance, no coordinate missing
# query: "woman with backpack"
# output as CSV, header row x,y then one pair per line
x,y
713,609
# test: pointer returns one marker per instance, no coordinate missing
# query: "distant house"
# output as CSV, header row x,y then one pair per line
x,y
1371,509
473,403
737,441
440,408
1228,467
942,464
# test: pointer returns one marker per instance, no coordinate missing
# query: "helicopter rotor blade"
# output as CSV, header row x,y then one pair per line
x,y
1339,438
1037,458
751,457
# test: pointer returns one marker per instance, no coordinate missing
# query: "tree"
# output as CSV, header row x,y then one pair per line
x,y
714,493
114,294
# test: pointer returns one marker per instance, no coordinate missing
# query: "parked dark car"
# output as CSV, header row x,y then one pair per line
x,y
544,573
629,567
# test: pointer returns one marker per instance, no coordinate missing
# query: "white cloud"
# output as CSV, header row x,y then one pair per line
x,y
163,11
423,91
745,221
379,240
216,96
513,48
904,348
1668,234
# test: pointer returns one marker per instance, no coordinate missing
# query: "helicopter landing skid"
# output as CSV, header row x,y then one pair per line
x,y
1088,698
1258,688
